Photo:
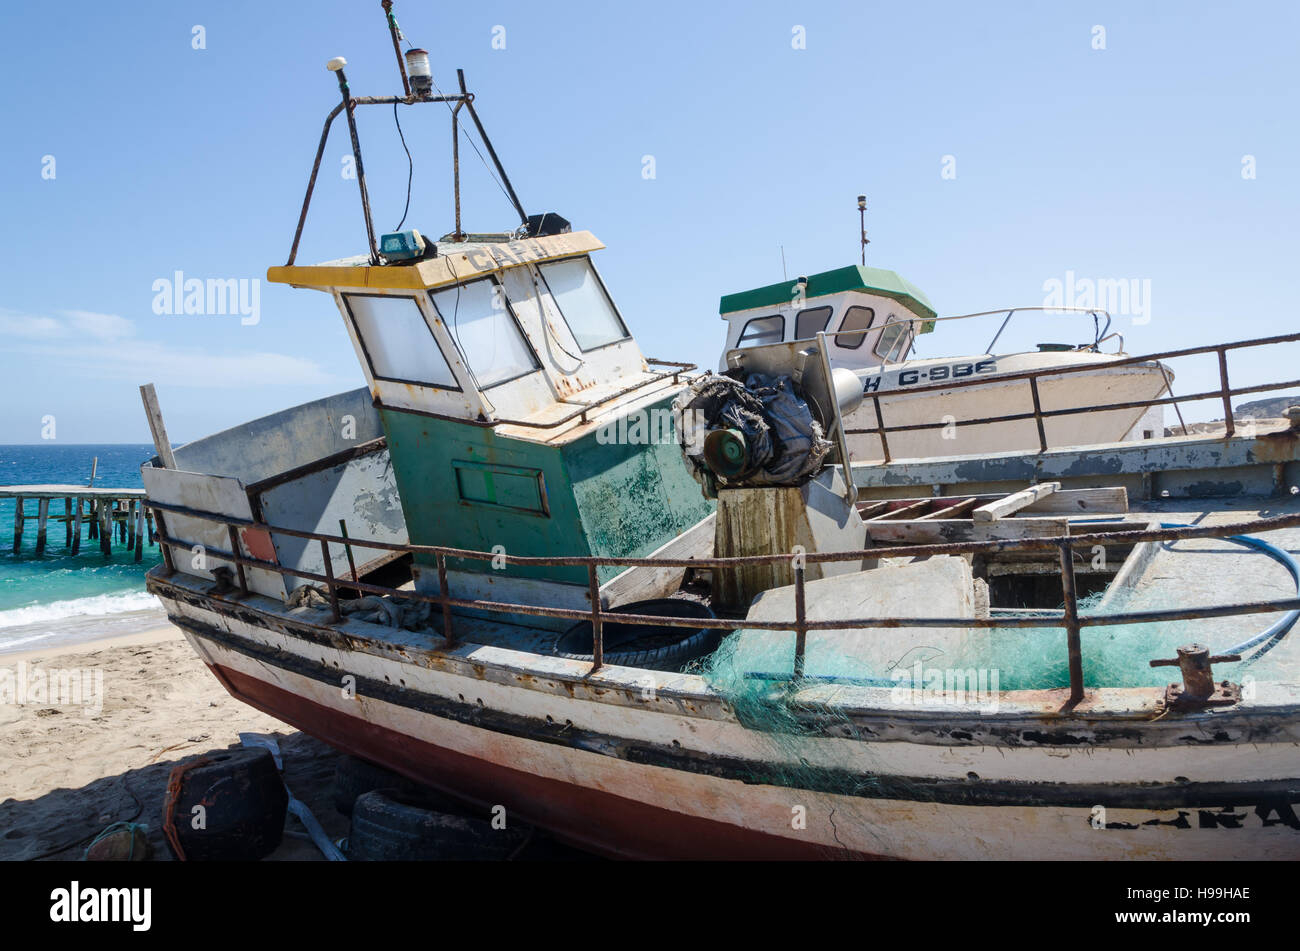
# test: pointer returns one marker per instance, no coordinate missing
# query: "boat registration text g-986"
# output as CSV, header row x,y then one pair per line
x,y
935,374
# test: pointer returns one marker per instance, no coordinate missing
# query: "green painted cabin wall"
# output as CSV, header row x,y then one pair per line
x,y
633,498
603,499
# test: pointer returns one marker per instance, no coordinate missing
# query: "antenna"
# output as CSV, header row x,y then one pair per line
x,y
396,32
784,276
862,225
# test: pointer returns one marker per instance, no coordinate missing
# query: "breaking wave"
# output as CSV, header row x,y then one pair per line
x,y
96,605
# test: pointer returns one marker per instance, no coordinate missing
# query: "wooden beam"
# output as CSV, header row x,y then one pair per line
x,y
138,531
67,522
106,528
1070,501
76,531
939,531
909,509
154,414
952,511
18,524
1014,502
42,525
867,509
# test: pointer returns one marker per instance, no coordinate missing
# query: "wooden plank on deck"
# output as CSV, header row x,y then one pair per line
x,y
1014,502
941,531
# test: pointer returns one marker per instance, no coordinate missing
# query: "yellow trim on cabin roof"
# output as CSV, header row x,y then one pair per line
x,y
444,269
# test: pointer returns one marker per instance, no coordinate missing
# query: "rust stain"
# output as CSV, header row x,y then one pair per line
x,y
569,385
1277,447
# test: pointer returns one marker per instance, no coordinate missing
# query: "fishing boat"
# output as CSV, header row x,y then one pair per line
x,y
537,570
872,318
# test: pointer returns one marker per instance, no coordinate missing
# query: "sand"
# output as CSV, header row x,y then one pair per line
x,y
68,771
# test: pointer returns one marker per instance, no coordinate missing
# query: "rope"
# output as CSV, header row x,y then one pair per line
x,y
393,612
173,794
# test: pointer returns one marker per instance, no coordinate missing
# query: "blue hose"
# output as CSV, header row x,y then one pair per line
x,y
1271,636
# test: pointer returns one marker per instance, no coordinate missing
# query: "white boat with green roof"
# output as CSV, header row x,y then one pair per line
x,y
873,318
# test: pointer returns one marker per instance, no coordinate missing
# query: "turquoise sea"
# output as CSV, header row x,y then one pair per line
x,y
58,598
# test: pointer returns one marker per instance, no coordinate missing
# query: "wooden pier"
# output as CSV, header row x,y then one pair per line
x,y
107,511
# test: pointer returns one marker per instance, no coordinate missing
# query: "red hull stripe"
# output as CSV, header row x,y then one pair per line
x,y
587,818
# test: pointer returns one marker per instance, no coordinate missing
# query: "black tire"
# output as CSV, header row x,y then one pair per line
x,y
672,656
354,776
244,804
389,825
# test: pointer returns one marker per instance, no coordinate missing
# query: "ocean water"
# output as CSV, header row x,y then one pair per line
x,y
58,599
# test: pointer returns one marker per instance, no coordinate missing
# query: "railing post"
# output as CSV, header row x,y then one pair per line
x,y
347,550
1038,414
800,624
597,635
162,536
1071,600
1229,425
880,426
239,565
448,634
335,616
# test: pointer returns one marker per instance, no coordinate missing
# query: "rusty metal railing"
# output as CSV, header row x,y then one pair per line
x,y
1071,620
1225,392
464,99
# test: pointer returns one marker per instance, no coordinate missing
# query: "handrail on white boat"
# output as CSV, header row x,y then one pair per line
x,y
1224,393
1101,333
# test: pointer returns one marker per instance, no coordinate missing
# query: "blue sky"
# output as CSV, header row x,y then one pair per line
x,y
1116,163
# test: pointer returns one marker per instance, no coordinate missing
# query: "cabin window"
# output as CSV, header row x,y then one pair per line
x,y
577,290
762,330
480,320
811,322
894,339
397,342
855,318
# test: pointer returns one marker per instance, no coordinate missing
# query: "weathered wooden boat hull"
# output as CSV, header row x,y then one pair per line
x,y
586,758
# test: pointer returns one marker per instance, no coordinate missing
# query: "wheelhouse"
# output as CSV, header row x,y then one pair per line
x,y
519,412
487,330
874,314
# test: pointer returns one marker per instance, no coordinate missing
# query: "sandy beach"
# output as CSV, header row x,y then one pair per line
x,y
68,770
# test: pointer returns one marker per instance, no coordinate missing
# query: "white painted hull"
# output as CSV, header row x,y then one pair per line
x,y
1100,386
576,772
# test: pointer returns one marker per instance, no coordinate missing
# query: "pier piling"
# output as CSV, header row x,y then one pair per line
x,y
18,525
114,515
42,524
106,528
